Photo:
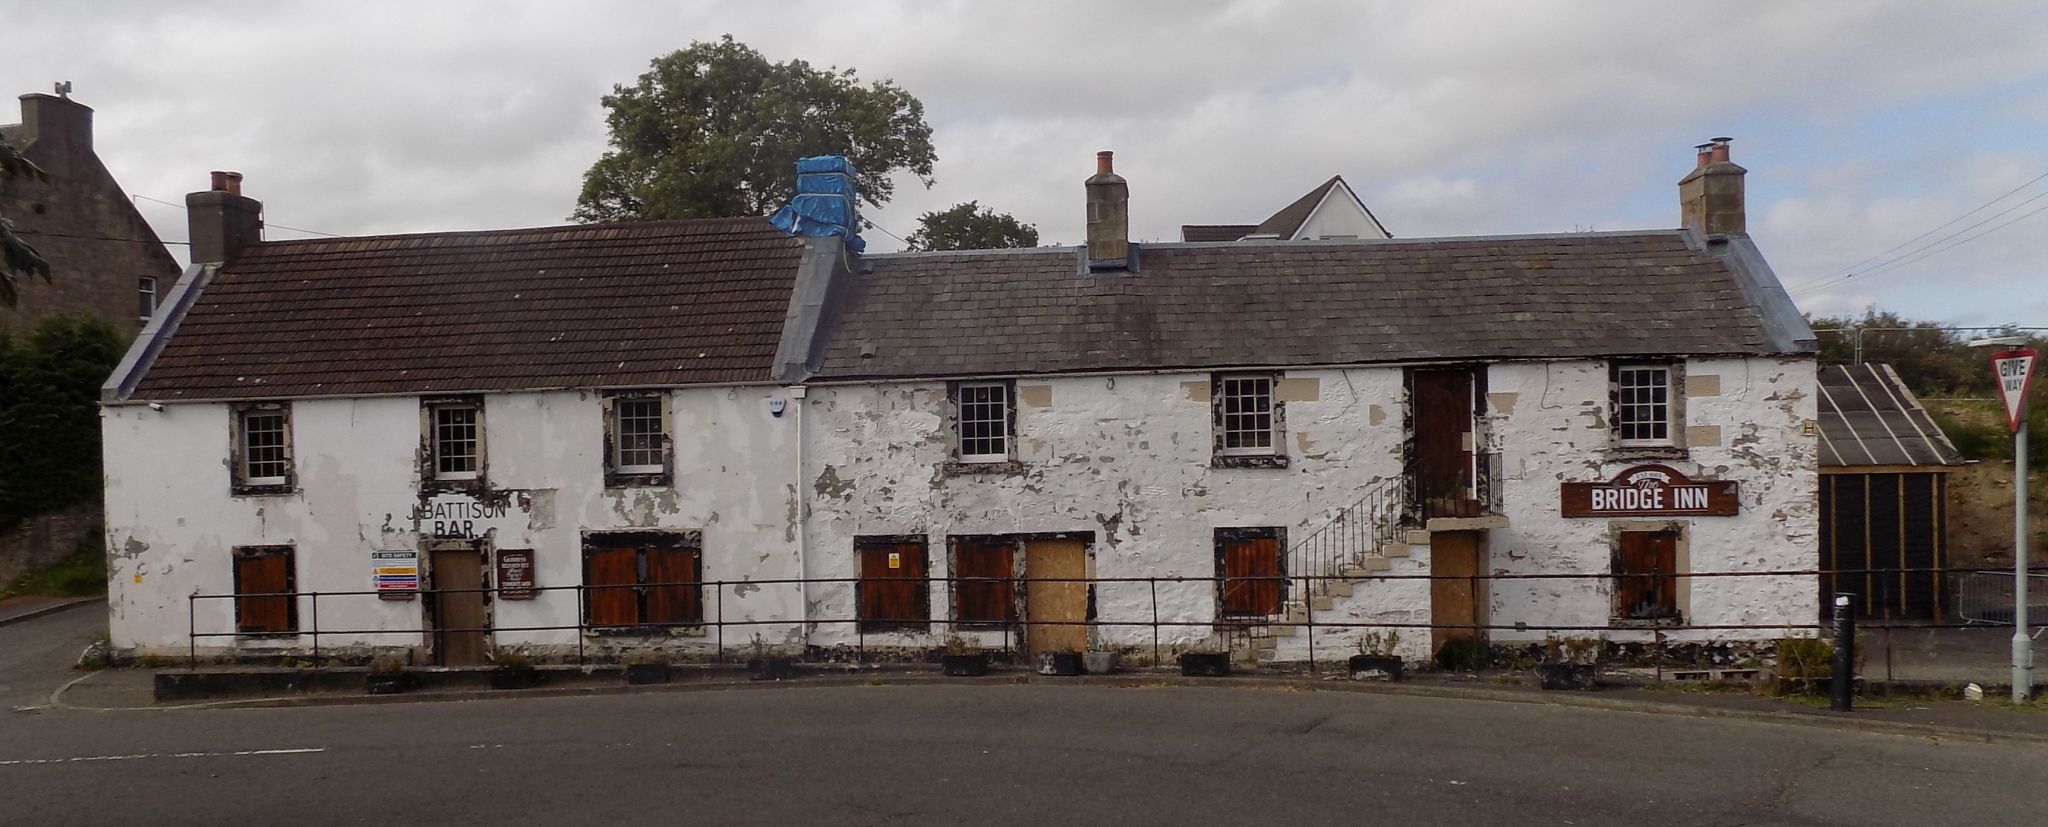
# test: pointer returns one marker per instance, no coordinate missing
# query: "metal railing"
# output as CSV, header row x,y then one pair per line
x,y
1139,601
1343,547
1986,597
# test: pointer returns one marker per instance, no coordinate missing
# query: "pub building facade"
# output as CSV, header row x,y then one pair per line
x,y
1046,449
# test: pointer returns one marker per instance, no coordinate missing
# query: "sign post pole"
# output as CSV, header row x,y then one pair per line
x,y
2014,370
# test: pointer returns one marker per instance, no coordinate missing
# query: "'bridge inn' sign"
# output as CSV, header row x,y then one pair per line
x,y
1650,491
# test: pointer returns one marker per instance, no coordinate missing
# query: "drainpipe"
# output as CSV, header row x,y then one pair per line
x,y
803,521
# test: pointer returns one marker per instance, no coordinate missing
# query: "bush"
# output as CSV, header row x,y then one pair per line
x,y
49,414
82,573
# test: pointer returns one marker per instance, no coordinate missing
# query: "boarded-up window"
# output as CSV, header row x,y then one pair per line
x,y
648,578
984,581
894,594
260,571
1252,572
1646,575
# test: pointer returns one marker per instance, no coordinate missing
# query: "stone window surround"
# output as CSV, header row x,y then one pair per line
x,y
432,482
1682,564
1219,457
1676,449
241,485
614,475
955,464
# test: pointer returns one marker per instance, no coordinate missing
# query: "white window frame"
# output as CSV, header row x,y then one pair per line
x,y
1627,400
283,447
1004,410
476,442
1228,390
146,286
620,407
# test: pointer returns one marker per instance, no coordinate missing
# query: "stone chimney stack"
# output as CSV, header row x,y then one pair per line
x,y
61,129
223,221
1109,219
1710,198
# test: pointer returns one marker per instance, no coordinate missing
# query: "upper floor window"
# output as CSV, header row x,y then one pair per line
x,y
145,297
984,412
455,439
1244,415
1642,400
262,448
637,450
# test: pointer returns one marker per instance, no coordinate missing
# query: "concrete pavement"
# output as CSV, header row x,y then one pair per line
x,y
1002,754
36,654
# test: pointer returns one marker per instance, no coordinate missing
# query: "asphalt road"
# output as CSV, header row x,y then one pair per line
x,y
36,656
1000,754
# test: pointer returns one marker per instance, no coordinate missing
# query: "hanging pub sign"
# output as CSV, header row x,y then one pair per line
x,y
1650,491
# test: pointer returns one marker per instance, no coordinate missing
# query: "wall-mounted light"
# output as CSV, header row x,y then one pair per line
x,y
157,406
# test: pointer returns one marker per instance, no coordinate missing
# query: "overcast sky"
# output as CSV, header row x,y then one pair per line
x,y
1863,124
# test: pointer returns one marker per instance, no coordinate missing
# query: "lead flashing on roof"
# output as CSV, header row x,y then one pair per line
x,y
150,342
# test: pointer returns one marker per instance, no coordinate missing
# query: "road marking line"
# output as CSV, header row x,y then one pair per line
x,y
142,755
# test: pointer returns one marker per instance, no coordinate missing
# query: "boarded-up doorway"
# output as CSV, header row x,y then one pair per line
x,y
1444,476
1057,611
458,613
1456,602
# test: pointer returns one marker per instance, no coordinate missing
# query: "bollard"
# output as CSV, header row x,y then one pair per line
x,y
1842,683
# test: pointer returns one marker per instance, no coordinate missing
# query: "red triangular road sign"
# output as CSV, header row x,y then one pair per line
x,y
2014,370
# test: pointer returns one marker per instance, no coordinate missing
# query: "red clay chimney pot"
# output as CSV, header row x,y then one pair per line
x,y
1102,162
235,183
1721,150
220,181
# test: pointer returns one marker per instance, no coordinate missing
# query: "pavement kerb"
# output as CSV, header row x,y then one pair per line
x,y
1578,700
51,609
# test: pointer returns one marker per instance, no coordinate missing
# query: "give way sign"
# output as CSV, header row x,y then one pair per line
x,y
2015,372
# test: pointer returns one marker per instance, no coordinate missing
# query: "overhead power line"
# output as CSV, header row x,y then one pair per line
x,y
266,222
1886,260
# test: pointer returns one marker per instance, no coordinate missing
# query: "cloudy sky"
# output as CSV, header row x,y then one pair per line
x,y
1863,124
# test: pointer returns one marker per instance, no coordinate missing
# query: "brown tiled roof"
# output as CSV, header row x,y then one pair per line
x,y
651,304
1291,303
1868,417
1216,232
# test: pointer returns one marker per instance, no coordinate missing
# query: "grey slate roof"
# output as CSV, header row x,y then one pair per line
x,y
11,133
1868,417
1216,232
1244,304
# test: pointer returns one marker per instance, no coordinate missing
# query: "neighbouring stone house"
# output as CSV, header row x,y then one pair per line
x,y
1332,211
1198,445
105,260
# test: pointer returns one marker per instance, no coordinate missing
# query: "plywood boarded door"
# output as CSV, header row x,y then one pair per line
x,y
1455,603
461,625
1058,611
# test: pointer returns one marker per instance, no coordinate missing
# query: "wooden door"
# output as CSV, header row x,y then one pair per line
x,y
894,594
985,581
1058,611
264,570
461,624
1455,603
1648,589
1441,405
1251,577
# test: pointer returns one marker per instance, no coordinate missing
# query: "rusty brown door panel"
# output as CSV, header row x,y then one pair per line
x,y
1648,561
260,571
985,589
893,591
1442,401
1056,595
460,620
673,594
1251,577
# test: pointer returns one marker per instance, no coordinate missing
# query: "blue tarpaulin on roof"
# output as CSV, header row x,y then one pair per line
x,y
825,204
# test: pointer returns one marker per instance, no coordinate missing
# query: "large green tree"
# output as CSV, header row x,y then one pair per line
x,y
17,258
971,226
715,130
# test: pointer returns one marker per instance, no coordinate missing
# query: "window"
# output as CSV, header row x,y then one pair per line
x,y
264,603
893,592
640,579
637,424
145,297
1251,571
1245,416
1642,398
984,411
1646,575
984,581
455,439
262,448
